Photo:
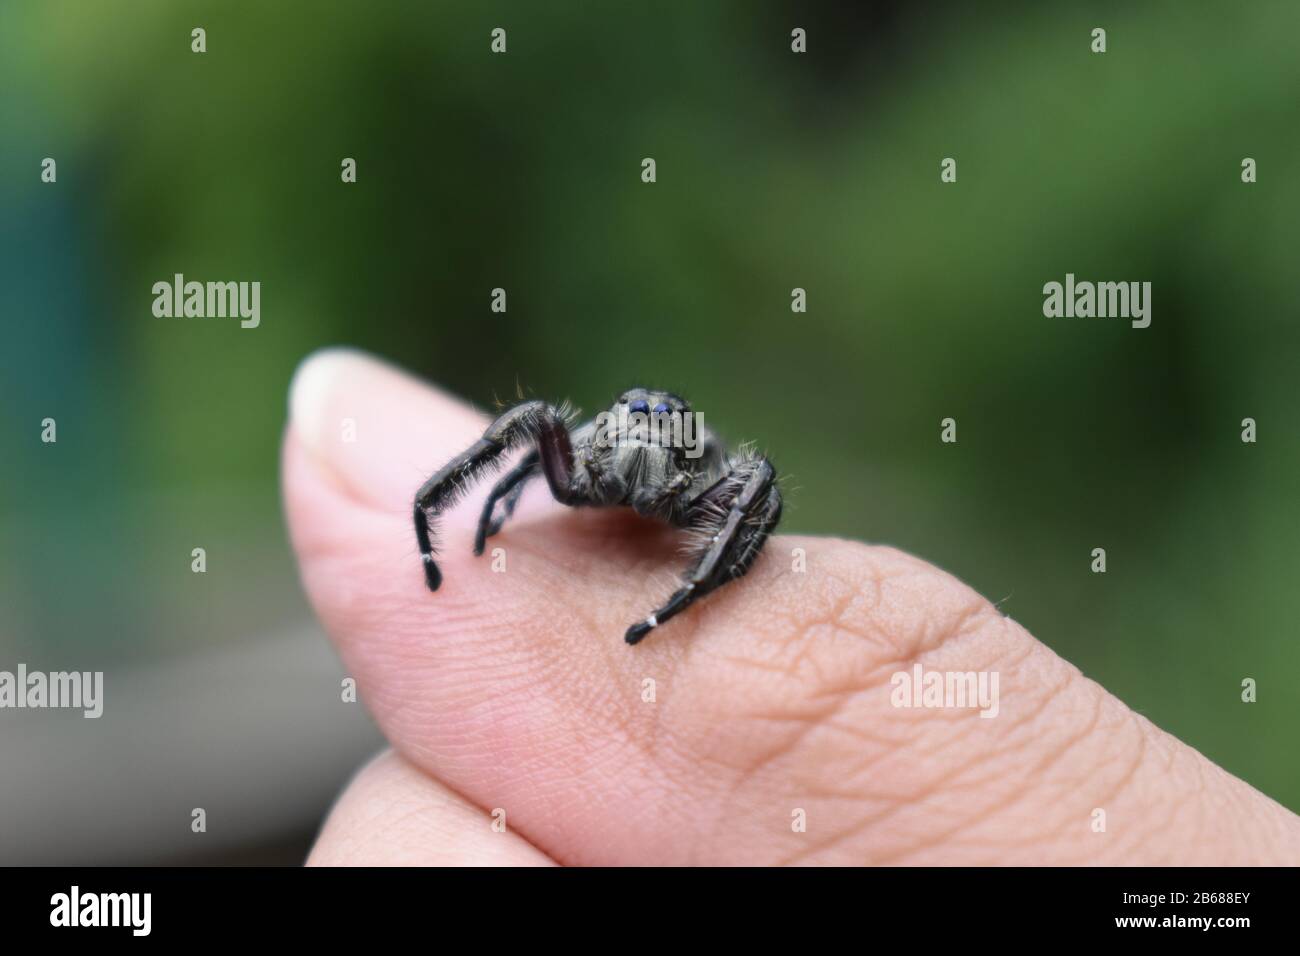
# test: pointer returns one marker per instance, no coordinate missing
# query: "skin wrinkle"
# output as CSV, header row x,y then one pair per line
x,y
1230,801
1047,783
838,620
1032,830
1003,793
1084,733
655,745
753,766
1111,793
651,744
974,619
654,748
896,804
865,764
891,667
808,724
862,734
972,622
893,806
1162,822
939,838
754,769
1041,704
1208,805
1018,795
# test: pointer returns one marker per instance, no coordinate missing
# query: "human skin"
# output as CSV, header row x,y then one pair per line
x,y
515,692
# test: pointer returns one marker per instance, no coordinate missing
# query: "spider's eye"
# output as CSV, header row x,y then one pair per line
x,y
640,405
663,408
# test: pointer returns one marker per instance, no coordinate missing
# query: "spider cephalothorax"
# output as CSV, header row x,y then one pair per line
x,y
649,451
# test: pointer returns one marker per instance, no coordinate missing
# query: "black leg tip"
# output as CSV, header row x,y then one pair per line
x,y
432,576
638,631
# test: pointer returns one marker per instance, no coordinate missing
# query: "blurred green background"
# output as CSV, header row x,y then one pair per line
x,y
775,171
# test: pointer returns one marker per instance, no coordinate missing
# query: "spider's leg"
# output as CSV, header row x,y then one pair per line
x,y
511,501
663,500
510,487
557,458
530,421
740,510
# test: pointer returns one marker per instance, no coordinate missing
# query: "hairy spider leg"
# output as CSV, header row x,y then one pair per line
x,y
529,421
741,512
510,487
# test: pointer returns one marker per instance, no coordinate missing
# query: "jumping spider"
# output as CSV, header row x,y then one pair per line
x,y
635,455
